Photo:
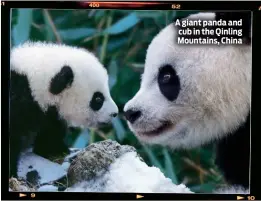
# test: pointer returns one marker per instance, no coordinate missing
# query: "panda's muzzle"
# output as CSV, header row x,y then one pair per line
x,y
102,124
166,125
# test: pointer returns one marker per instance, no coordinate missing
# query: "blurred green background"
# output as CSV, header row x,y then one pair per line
x,y
119,38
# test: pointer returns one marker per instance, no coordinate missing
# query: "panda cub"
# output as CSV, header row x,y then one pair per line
x,y
54,87
191,95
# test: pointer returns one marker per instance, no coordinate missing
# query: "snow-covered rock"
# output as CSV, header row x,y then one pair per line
x,y
95,160
129,174
104,166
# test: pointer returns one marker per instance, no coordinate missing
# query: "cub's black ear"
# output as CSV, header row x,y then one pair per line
x,y
246,21
61,80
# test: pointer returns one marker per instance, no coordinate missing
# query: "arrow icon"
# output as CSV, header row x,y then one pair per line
x,y
139,196
22,195
240,198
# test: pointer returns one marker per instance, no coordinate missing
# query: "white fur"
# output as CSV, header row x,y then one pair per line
x,y
214,97
40,62
232,190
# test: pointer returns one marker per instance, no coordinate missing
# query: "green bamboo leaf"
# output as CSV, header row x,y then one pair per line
x,y
78,33
105,39
206,188
48,29
119,128
82,140
169,169
153,159
148,14
113,72
114,44
21,30
123,25
99,14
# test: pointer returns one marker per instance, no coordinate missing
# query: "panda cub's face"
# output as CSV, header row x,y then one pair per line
x,y
190,94
87,102
72,79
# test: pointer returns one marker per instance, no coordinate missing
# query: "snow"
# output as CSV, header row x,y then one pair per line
x,y
66,165
47,188
47,171
232,190
129,174
73,149
72,155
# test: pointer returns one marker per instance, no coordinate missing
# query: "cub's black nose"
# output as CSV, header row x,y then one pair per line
x,y
114,114
132,115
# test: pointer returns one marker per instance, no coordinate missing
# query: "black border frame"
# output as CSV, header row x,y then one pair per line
x,y
187,5
162,5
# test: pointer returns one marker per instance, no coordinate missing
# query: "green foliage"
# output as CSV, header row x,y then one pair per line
x,y
119,38
21,30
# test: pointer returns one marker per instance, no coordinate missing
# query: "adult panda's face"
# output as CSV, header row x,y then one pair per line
x,y
72,79
190,94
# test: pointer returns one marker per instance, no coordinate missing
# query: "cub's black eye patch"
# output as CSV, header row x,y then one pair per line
x,y
169,83
97,101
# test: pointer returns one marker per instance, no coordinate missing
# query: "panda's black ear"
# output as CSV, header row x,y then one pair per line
x,y
61,80
238,15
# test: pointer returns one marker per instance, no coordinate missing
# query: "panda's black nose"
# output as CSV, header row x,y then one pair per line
x,y
114,114
132,115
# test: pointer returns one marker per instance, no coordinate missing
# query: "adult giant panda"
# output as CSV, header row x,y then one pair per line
x,y
53,87
191,95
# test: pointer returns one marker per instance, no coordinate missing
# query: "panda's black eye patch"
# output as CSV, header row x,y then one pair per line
x,y
169,83
97,101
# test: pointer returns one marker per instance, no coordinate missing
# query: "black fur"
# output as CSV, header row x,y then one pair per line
x,y
29,124
233,155
169,83
132,115
61,80
33,177
97,101
233,152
